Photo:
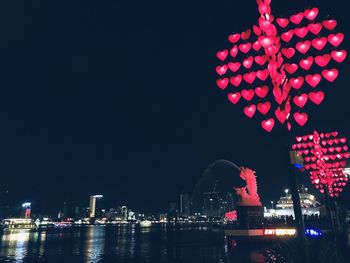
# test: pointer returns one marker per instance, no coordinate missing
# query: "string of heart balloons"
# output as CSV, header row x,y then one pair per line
x,y
276,67
324,155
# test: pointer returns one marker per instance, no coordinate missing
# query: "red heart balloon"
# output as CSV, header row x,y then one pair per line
x,y
222,83
256,45
262,91
267,125
339,56
248,62
291,68
234,38
246,34
296,83
315,28
306,63
288,52
319,43
265,41
297,18
281,115
262,74
322,61
222,54
287,36
234,66
313,80
236,80
311,14
257,30
245,47
264,107
234,51
247,94
221,70
249,111
304,46
301,32
261,60
330,74
300,118
336,39
249,77
282,22
301,100
234,97
329,24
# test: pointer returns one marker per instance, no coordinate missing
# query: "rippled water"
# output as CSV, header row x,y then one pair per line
x,y
129,244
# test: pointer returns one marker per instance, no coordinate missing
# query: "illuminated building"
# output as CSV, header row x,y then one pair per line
x,y
93,209
27,209
284,207
216,204
184,205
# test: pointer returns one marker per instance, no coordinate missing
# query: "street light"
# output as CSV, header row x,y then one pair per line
x,y
271,204
286,191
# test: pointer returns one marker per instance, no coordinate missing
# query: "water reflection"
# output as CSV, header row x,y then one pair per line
x,y
14,245
94,243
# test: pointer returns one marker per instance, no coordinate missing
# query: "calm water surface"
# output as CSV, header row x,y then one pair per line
x,y
128,244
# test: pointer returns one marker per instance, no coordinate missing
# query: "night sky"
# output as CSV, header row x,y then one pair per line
x,y
119,98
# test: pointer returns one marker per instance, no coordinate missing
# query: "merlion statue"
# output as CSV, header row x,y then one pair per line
x,y
248,194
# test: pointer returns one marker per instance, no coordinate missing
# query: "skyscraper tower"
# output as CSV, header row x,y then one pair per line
x,y
93,205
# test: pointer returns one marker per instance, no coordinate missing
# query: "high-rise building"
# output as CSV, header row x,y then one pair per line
x,y
93,209
216,204
184,205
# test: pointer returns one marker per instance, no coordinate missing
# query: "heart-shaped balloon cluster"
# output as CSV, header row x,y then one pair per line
x,y
280,66
324,156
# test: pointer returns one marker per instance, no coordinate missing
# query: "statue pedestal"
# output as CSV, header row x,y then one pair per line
x,y
250,216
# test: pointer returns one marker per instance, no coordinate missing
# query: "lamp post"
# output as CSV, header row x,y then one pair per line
x,y
271,204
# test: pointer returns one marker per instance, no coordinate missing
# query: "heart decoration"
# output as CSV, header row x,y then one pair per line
x,y
264,107
313,80
249,111
324,162
275,55
234,97
262,91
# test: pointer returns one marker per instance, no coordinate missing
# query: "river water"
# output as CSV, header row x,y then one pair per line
x,y
128,244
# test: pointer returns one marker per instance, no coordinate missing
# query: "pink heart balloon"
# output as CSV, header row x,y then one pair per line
x,y
267,125
291,68
249,77
249,111
236,80
247,94
339,56
330,74
322,61
282,22
301,100
296,83
234,38
264,107
222,83
311,14
313,80
296,19
234,97
306,63
234,66
304,46
336,39
315,28
262,91
222,54
329,24
221,70
319,43
300,118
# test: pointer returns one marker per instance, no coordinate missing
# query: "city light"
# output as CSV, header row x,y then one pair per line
x,y
27,204
280,232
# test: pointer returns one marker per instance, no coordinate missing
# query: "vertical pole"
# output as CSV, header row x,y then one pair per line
x,y
299,219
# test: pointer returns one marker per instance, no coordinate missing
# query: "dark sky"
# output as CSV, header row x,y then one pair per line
x,y
119,98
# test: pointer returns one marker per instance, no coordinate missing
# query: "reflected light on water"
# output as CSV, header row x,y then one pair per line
x,y
15,245
94,244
